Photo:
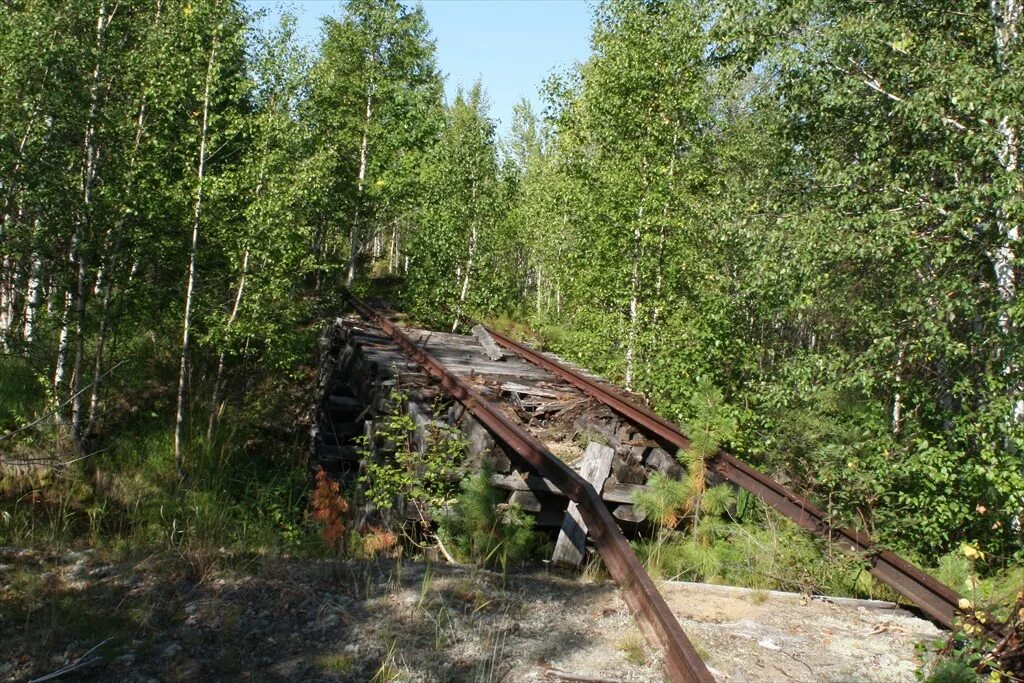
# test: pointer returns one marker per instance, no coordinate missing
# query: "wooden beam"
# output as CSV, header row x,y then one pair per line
x,y
571,545
491,347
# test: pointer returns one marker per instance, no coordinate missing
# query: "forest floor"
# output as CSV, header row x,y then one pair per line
x,y
288,619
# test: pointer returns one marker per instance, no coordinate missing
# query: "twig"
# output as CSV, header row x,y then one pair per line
x,y
444,551
566,676
82,662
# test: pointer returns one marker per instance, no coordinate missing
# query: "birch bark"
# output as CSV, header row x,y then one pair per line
x,y
469,261
90,158
219,378
186,327
1006,14
363,149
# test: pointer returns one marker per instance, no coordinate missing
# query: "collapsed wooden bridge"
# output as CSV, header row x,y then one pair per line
x,y
505,396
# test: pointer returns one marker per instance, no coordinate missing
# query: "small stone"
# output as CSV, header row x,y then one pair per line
x,y
172,650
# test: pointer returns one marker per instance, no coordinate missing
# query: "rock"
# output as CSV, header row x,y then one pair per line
x,y
172,650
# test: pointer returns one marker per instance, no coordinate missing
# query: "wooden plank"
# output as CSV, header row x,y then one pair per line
x,y
491,347
518,388
571,545
621,493
516,482
526,500
612,492
629,513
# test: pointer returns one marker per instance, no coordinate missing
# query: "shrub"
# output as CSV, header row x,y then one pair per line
x,y
483,529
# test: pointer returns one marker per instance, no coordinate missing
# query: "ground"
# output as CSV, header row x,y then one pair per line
x,y
294,619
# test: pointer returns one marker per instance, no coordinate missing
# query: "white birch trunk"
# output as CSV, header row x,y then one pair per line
x,y
6,300
60,366
634,302
186,327
215,400
32,300
81,285
363,149
1006,14
469,261
897,397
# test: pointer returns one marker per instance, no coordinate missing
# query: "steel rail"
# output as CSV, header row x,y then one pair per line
x,y
934,598
648,606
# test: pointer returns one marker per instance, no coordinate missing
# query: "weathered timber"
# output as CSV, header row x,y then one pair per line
x,y
629,513
571,546
660,460
524,389
491,347
527,500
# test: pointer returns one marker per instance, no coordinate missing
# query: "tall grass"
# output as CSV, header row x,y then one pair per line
x,y
21,394
234,499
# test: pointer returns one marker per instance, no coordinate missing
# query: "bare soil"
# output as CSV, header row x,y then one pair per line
x,y
222,618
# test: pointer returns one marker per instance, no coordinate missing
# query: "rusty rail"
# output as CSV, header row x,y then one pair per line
x,y
934,598
641,595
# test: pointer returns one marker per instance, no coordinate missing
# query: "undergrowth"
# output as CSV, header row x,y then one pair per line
x,y
483,529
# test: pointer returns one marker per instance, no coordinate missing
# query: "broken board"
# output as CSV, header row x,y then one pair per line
x,y
571,545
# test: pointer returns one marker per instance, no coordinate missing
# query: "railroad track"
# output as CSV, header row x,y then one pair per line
x,y
935,599
648,606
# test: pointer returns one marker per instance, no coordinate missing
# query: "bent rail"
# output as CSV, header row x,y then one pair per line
x,y
641,595
935,599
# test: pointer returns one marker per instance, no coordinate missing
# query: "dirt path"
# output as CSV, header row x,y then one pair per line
x,y
292,620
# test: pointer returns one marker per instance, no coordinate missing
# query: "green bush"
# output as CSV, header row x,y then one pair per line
x,y
481,528
428,475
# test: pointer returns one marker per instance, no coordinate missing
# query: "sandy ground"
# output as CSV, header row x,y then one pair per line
x,y
292,620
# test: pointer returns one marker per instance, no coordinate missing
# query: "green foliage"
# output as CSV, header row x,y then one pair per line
x,y
664,500
20,394
483,529
418,463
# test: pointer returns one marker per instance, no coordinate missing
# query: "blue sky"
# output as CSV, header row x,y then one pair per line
x,y
512,45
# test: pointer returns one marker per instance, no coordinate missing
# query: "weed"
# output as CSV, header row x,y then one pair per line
x,y
634,649
336,664
329,509
759,596
418,463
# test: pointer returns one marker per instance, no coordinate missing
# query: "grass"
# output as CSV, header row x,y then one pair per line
x,y
336,664
21,394
634,649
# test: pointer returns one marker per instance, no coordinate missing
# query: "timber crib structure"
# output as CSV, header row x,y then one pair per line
x,y
499,386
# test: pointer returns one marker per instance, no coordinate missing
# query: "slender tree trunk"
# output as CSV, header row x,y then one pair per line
x,y
107,272
897,397
393,253
634,300
35,290
186,327
101,340
540,277
6,300
60,366
218,380
90,157
1006,14
363,150
469,261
